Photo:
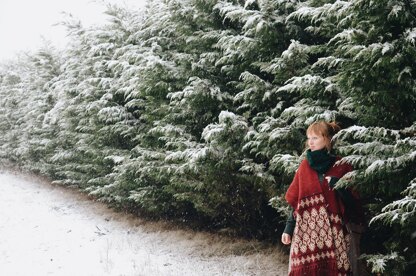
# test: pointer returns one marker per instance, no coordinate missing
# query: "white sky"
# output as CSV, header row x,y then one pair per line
x,y
23,23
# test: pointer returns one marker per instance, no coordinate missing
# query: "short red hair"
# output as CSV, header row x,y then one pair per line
x,y
327,130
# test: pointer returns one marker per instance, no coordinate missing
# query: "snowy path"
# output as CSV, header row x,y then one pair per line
x,y
49,230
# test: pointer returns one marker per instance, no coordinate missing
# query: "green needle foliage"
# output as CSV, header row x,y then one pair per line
x,y
196,111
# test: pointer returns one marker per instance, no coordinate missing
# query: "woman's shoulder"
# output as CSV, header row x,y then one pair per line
x,y
304,165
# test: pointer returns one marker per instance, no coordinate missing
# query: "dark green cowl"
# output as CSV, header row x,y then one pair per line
x,y
320,160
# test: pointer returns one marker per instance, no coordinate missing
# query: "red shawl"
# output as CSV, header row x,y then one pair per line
x,y
319,242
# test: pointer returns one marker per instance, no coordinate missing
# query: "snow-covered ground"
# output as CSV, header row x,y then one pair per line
x,y
50,230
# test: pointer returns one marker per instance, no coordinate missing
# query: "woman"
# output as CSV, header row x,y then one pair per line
x,y
319,239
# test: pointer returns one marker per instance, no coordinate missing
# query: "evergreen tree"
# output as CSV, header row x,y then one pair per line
x,y
89,119
365,65
26,97
146,71
377,49
198,109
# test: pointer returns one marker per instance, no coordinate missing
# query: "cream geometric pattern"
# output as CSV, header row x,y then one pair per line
x,y
318,235
314,200
314,257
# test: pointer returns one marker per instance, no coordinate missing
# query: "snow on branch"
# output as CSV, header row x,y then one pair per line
x,y
367,134
286,163
401,211
410,36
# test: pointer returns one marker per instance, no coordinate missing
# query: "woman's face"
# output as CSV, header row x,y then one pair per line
x,y
316,141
